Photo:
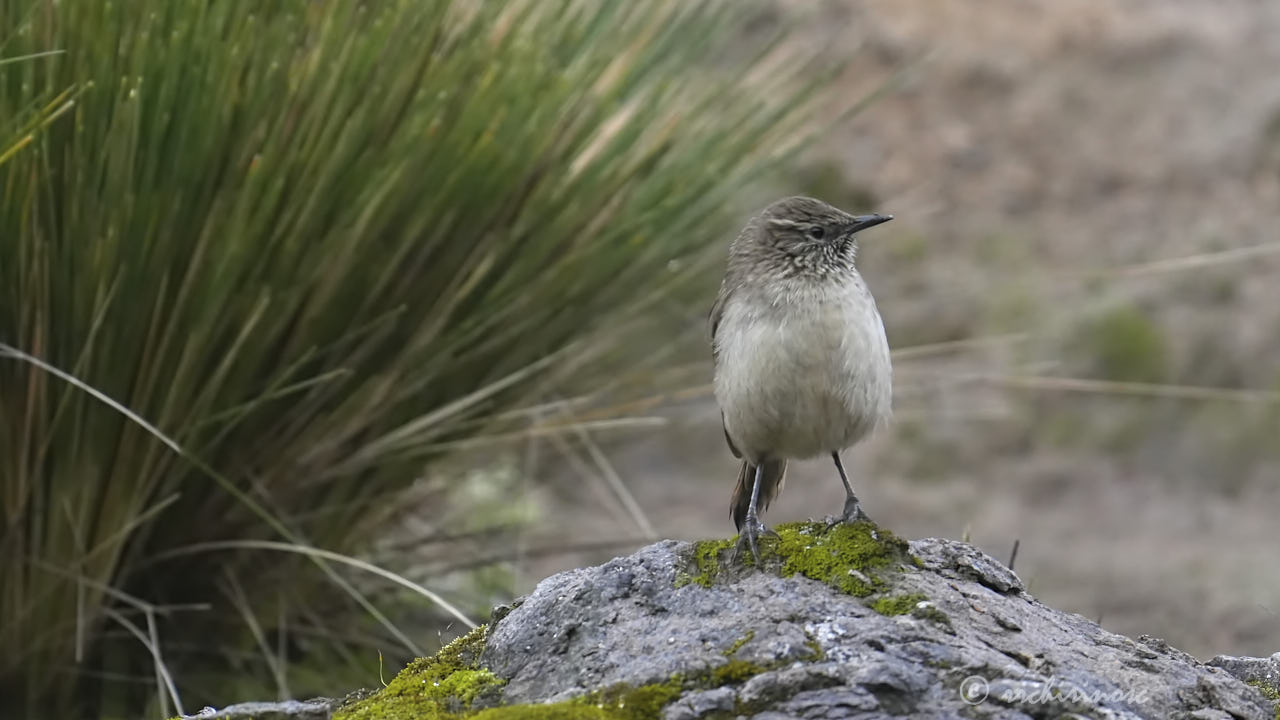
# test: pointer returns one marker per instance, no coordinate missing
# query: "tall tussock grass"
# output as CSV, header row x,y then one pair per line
x,y
260,261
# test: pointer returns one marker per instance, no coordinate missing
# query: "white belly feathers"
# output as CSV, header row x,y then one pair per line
x,y
805,377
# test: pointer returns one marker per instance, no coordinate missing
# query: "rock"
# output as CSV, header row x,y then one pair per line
x,y
846,623
1262,674
1264,671
314,709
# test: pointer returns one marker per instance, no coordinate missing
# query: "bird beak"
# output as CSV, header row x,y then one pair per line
x,y
862,222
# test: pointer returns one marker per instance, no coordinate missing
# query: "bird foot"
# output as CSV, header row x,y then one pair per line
x,y
748,537
852,513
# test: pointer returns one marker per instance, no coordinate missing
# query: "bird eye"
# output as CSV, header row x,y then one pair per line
x,y
817,232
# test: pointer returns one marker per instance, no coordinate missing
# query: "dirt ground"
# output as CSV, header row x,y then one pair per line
x,y
1045,158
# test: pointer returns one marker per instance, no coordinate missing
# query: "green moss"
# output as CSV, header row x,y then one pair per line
x,y
1269,691
736,646
811,642
451,685
451,699
620,703
931,613
898,604
734,672
640,703
706,562
556,711
429,688
844,556
911,603
737,671
447,686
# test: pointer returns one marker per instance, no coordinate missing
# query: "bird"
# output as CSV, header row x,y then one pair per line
x,y
802,366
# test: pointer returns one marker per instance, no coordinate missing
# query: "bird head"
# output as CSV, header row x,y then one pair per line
x,y
812,235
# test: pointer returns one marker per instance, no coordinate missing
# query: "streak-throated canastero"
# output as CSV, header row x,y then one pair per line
x,y
801,358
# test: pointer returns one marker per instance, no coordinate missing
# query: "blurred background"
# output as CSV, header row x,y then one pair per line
x,y
325,326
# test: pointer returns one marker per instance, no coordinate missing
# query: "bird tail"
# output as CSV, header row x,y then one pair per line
x,y
775,472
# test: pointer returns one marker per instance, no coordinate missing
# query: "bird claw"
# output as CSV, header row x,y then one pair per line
x,y
748,538
852,513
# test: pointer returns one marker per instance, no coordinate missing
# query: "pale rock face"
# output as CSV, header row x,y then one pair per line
x,y
802,367
972,644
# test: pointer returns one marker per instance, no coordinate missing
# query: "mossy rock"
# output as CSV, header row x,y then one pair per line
x,y
898,604
621,641
453,686
444,686
850,557
1269,691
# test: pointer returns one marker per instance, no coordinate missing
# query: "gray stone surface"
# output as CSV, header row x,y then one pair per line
x,y
1251,669
979,646
314,709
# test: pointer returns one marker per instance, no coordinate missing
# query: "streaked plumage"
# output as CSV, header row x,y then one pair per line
x,y
802,361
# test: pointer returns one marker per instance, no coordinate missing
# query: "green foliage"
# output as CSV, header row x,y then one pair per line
x,y
1126,345
314,244
19,127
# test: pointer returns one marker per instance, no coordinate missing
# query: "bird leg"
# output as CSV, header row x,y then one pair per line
x,y
852,509
752,528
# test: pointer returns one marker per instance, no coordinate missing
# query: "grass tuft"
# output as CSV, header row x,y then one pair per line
x,y
263,265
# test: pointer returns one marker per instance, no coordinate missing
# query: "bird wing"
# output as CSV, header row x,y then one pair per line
x,y
713,320
732,448
717,312
727,286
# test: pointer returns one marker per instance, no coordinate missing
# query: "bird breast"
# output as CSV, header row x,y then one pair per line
x,y
802,373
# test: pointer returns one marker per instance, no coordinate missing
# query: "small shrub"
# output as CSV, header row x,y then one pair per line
x,y
1125,344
